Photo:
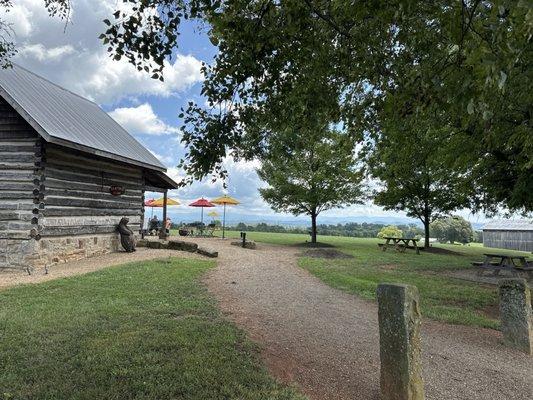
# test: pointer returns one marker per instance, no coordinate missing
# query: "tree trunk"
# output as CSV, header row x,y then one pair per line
x,y
313,226
426,233
427,219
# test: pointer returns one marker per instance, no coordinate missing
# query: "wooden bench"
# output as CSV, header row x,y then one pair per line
x,y
401,248
528,269
481,264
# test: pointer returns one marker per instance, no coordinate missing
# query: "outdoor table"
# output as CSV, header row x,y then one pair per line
x,y
504,262
400,244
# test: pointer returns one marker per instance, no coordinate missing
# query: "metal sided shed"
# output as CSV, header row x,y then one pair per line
x,y
68,174
509,234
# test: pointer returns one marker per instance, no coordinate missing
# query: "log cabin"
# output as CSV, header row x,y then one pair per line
x,y
68,174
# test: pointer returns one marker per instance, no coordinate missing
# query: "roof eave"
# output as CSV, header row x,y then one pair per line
x,y
62,142
157,181
167,180
105,154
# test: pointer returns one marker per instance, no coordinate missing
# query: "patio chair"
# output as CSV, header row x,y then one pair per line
x,y
210,229
154,227
196,228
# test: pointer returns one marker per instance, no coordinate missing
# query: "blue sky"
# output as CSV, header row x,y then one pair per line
x,y
72,56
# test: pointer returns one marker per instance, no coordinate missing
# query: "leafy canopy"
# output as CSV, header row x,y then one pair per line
x,y
452,229
466,64
314,173
411,164
390,231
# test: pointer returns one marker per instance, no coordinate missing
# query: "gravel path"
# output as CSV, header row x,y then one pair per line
x,y
14,277
326,341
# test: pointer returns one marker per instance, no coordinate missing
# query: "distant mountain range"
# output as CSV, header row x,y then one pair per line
x,y
234,218
290,221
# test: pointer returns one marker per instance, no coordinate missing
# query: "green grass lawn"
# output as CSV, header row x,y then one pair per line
x,y
442,298
146,330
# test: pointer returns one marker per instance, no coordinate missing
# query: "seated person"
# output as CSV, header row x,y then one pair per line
x,y
153,226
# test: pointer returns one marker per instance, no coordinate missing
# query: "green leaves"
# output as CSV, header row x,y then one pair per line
x,y
452,229
308,172
460,70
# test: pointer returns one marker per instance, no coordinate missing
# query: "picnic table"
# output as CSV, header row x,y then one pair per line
x,y
198,230
504,262
400,244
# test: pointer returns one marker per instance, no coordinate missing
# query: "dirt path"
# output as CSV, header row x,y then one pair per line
x,y
326,341
10,278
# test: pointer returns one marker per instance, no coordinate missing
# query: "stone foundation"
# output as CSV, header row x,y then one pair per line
x,y
23,254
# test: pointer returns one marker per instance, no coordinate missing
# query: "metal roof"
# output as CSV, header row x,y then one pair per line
x,y
69,120
509,225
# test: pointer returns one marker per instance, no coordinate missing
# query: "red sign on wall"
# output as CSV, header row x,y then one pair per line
x,y
117,190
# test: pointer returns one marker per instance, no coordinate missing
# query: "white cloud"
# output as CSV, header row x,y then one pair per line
x,y
142,120
73,56
108,81
19,17
167,160
175,174
41,53
242,183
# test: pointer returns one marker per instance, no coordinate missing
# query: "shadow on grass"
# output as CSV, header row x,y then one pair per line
x,y
440,250
317,245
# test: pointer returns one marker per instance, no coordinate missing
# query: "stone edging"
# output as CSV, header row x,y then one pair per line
x,y
179,245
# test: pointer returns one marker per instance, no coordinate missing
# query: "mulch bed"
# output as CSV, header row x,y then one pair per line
x,y
440,250
316,245
326,253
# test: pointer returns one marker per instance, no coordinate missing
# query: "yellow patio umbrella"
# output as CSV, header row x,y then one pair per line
x,y
213,214
160,203
225,200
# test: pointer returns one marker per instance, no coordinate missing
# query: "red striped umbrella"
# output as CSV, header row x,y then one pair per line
x,y
202,203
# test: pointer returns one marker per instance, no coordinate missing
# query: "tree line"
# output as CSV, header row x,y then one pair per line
x,y
446,230
351,229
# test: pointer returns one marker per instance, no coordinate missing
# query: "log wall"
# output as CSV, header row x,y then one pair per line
x,y
20,175
77,197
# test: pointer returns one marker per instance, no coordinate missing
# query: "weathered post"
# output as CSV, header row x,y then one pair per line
x,y
400,344
515,314
163,232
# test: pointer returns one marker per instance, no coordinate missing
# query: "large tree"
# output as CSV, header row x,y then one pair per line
x,y
311,173
468,60
410,162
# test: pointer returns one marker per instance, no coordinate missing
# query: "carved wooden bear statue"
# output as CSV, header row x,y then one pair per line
x,y
127,239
